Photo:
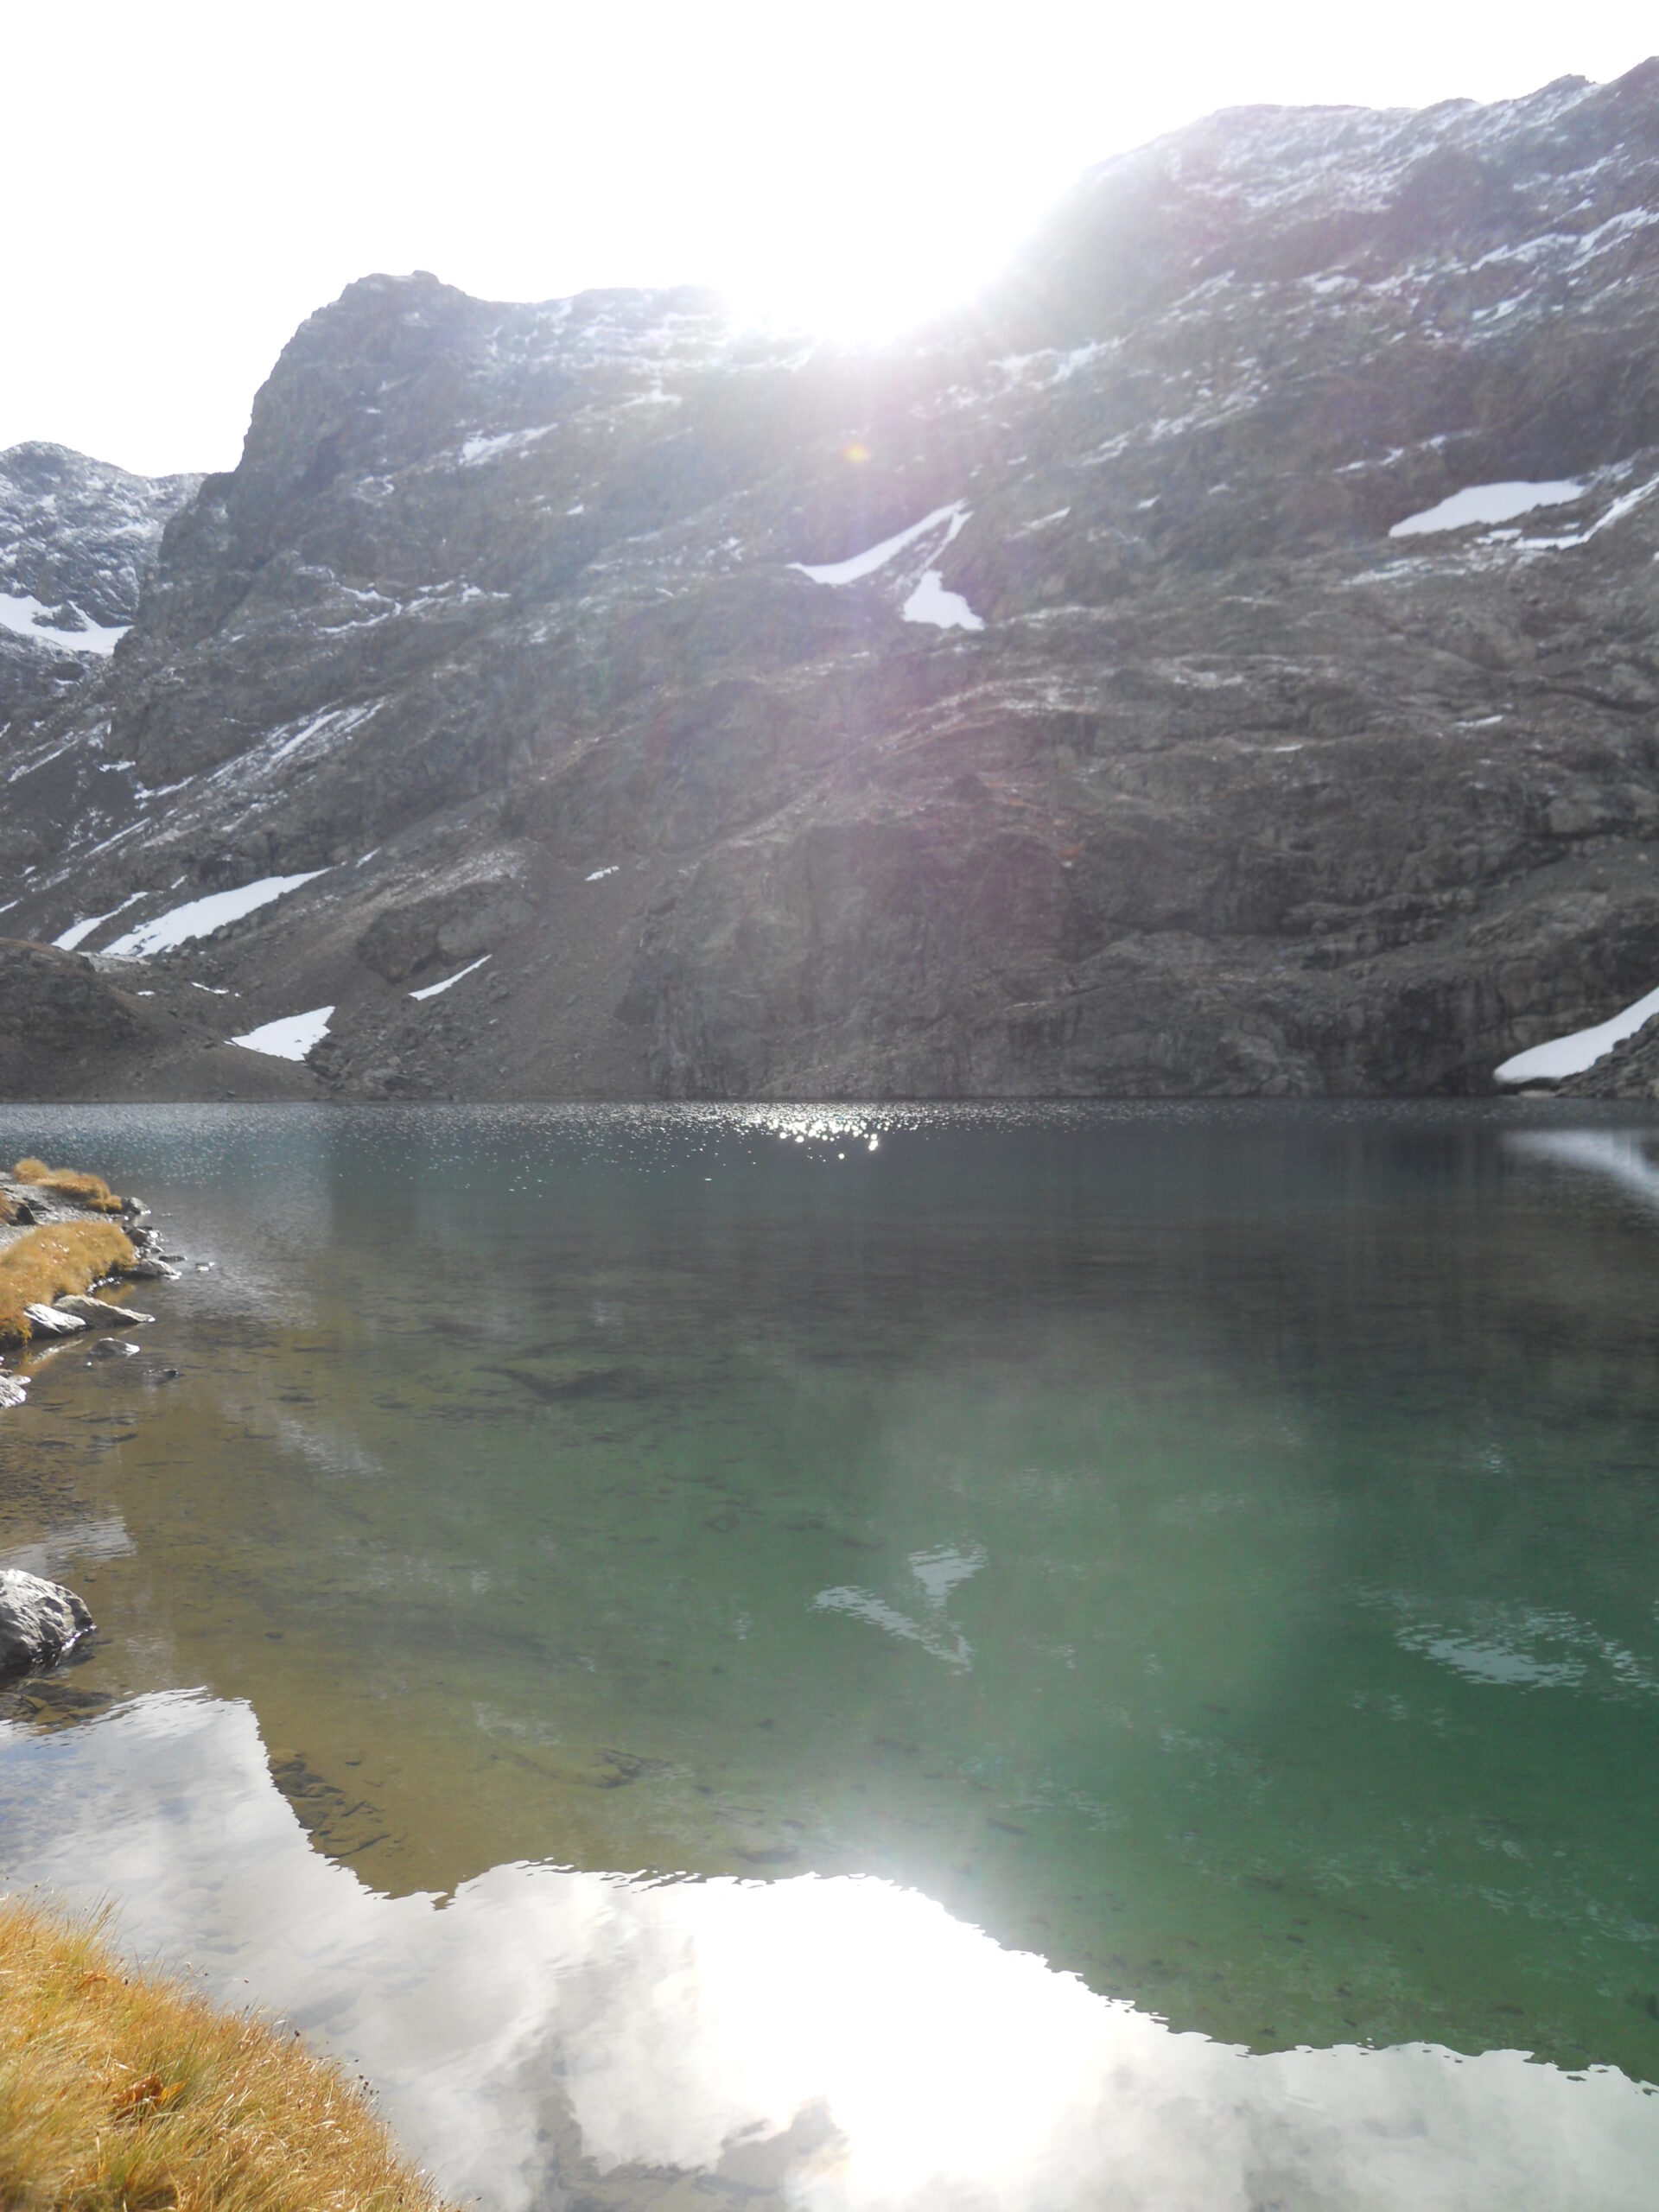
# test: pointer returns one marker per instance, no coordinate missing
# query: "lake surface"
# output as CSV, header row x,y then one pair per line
x,y
1137,1629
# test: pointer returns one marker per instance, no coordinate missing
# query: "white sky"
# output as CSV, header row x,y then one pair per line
x,y
185,183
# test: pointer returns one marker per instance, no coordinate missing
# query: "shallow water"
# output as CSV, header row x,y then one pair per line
x,y
1210,1554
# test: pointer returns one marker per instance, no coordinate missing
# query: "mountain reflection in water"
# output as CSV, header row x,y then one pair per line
x,y
1204,1552
840,2043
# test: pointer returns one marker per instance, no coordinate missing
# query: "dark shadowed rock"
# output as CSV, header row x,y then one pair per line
x,y
39,1621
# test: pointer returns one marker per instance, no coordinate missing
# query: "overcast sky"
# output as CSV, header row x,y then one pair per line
x,y
185,183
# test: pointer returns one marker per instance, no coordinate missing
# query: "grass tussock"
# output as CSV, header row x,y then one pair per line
x,y
43,1263
69,1183
122,2092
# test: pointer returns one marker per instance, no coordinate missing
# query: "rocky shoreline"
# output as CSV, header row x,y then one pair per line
x,y
64,1236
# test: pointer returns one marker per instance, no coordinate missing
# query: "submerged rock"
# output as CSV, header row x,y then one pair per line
x,y
39,1621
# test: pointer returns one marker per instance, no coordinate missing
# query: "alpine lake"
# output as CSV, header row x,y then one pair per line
x,y
930,1657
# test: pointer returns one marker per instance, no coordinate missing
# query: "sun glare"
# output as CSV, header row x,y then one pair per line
x,y
851,174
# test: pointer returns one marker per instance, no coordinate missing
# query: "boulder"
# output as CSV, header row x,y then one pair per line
x,y
39,1621
50,1321
98,1313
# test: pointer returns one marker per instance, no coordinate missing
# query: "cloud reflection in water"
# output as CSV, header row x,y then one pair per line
x,y
544,2026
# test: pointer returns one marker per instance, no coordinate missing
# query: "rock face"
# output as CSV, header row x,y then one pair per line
x,y
596,699
1631,1070
77,539
74,1027
39,1621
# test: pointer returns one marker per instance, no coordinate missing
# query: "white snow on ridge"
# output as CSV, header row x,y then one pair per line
x,y
1616,512
432,990
945,610
290,1039
78,931
332,722
836,573
1487,502
201,917
1564,1056
480,447
21,616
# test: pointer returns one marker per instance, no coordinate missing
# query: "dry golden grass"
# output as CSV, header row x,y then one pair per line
x,y
69,1183
43,1263
122,2092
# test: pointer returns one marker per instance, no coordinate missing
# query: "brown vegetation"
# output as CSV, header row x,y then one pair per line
x,y
122,2092
44,1264
69,1183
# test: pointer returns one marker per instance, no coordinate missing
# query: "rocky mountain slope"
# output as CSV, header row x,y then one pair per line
x,y
1096,694
77,539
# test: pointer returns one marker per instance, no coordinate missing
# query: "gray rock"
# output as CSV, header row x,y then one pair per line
x,y
39,1621
99,1313
151,1269
13,1390
52,1321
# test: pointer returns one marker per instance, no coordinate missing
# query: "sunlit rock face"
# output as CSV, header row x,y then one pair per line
x,y
1221,662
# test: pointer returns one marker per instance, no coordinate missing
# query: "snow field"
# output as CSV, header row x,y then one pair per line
x,y
290,1039
1571,1055
21,617
201,917
1487,502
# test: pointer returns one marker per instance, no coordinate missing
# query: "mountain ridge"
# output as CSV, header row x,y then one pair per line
x,y
1154,762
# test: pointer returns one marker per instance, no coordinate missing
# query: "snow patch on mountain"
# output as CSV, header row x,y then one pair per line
x,y
79,932
321,729
946,610
201,917
433,990
853,570
1571,1055
291,1037
1487,502
23,614
1616,512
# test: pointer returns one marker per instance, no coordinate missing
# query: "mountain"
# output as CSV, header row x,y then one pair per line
x,y
77,539
1222,662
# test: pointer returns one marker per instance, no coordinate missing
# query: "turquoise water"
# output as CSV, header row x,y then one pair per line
x,y
1214,1552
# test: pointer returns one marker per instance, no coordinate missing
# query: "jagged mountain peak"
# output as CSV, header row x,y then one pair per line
x,y
1221,661
77,539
